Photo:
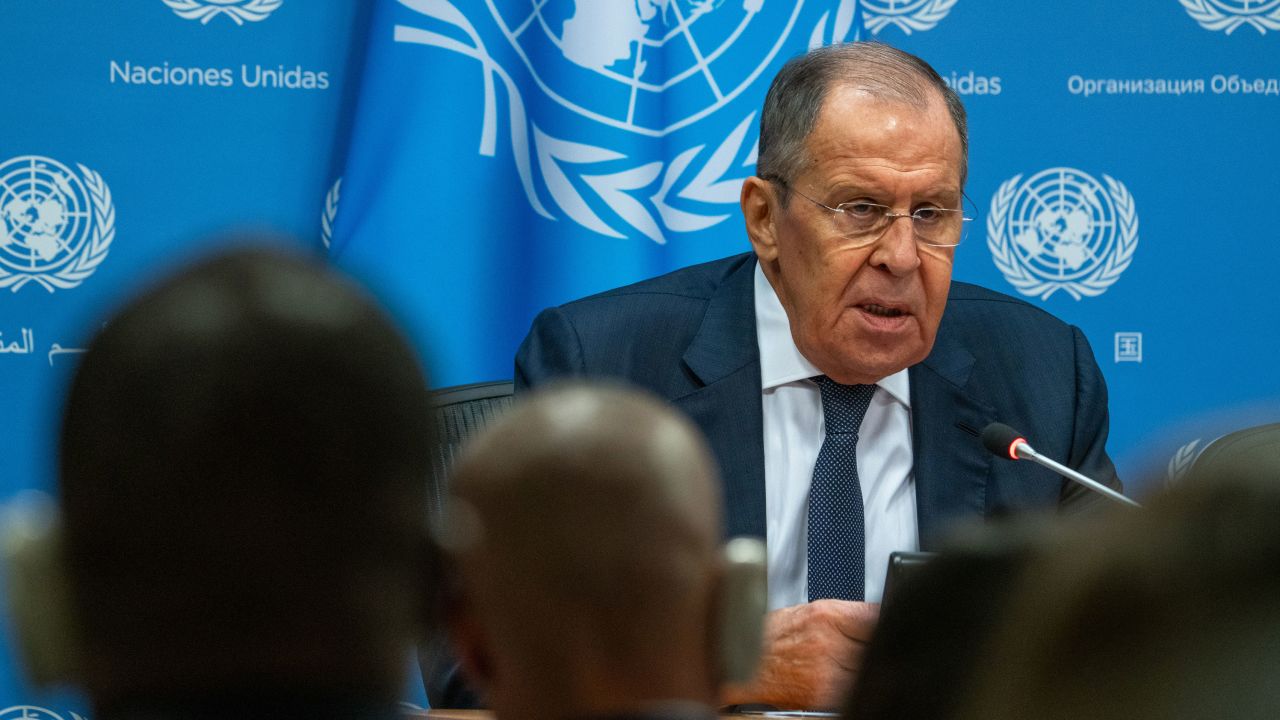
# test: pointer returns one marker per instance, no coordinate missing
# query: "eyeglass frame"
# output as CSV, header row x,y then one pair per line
x,y
887,214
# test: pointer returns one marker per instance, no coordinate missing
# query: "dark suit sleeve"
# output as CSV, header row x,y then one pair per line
x,y
551,349
1089,434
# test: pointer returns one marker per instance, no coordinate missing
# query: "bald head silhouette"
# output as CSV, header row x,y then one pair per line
x,y
586,528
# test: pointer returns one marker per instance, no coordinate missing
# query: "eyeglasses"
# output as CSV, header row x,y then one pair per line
x,y
865,222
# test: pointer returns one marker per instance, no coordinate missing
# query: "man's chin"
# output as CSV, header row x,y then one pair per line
x,y
867,370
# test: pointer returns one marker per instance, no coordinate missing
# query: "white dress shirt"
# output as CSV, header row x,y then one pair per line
x,y
793,434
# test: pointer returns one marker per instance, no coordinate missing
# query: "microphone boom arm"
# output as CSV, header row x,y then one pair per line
x,y
1025,451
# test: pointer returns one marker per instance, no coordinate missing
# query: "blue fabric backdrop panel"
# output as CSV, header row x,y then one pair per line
x,y
478,160
132,133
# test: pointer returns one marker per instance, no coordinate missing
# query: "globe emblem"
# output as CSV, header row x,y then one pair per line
x,y
1063,224
1245,7
646,66
1062,230
45,214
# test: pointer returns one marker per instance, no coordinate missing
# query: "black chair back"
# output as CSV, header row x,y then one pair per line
x,y
461,412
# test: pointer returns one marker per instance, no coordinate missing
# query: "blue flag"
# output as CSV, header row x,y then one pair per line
x,y
514,154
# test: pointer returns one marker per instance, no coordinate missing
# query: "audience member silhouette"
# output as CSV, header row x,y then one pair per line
x,y
243,467
1169,613
585,525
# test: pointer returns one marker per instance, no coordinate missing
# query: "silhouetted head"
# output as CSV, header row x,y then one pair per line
x,y
243,459
586,526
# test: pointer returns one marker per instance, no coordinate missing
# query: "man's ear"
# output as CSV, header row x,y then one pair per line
x,y
38,589
760,210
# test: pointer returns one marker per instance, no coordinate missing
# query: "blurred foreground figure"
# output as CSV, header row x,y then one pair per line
x,y
935,627
244,456
586,525
1258,446
1169,613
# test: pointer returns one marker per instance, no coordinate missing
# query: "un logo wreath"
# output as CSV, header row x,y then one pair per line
x,y
89,256
1210,15
204,11
923,18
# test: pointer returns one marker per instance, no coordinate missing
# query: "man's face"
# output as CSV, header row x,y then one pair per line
x,y
861,313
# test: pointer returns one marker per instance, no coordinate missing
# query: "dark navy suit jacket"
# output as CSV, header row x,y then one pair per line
x,y
690,337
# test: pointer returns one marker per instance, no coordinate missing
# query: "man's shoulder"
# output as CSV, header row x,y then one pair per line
x,y
972,296
975,306
693,284
637,332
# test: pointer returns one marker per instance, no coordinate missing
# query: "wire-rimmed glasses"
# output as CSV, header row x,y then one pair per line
x,y
863,222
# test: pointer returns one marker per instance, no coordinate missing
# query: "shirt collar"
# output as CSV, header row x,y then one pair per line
x,y
780,360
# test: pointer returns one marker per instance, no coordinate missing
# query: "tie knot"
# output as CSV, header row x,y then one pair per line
x,y
843,405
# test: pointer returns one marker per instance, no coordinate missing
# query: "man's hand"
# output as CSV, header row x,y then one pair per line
x,y
812,653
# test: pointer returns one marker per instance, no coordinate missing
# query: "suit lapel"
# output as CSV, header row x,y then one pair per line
x,y
951,467
725,359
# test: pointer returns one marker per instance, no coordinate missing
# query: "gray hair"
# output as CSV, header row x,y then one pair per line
x,y
796,96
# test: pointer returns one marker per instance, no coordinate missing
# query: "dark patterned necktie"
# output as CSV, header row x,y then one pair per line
x,y
837,541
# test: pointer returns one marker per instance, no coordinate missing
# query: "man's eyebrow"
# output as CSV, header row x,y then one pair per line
x,y
853,188
857,188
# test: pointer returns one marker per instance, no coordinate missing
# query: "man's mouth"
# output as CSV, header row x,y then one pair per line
x,y
881,310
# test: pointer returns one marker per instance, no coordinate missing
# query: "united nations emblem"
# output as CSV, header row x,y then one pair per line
x,y
1227,15
623,78
1061,229
603,98
31,712
907,15
240,11
56,225
594,88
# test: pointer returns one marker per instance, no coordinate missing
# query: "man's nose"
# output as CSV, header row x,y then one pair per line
x,y
897,250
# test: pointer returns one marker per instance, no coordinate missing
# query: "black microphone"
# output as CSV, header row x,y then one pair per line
x,y
1006,442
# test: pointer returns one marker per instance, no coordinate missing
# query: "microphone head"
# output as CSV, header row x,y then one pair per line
x,y
1000,439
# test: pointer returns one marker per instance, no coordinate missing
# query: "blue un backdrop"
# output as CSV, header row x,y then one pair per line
x,y
474,162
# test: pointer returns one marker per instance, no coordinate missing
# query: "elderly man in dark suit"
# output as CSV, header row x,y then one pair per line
x,y
839,373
